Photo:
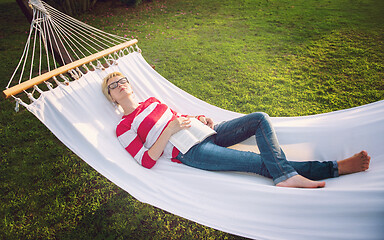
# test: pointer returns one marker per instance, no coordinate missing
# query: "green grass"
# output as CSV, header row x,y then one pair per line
x,y
287,58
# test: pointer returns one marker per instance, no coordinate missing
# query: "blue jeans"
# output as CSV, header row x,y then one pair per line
x,y
213,154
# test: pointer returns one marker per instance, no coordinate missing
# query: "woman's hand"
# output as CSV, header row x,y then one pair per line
x,y
207,121
179,124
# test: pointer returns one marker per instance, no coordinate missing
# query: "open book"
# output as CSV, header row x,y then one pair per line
x,y
187,138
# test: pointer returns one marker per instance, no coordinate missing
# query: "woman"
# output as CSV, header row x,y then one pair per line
x,y
146,128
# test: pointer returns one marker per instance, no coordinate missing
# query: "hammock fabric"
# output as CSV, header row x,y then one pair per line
x,y
350,207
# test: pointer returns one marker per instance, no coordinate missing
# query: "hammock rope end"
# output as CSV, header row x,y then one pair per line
x,y
63,69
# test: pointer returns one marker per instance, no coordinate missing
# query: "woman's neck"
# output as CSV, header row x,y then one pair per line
x,y
129,105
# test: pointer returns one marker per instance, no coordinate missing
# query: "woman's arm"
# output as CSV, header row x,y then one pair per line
x,y
173,127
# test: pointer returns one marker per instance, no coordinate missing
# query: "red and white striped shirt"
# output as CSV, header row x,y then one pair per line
x,y
139,130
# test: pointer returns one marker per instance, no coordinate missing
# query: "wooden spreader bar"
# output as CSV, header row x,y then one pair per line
x,y
63,69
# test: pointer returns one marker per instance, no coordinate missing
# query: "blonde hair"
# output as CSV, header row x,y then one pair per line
x,y
104,85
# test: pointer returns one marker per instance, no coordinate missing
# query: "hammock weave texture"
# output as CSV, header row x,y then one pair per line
x,y
350,207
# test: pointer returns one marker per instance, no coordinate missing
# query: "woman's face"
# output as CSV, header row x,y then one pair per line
x,y
121,90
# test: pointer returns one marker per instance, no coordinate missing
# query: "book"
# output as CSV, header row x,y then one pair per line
x,y
187,138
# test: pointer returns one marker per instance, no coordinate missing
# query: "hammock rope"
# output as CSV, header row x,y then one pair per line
x,y
73,40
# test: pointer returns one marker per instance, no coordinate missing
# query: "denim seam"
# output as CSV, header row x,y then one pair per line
x,y
269,146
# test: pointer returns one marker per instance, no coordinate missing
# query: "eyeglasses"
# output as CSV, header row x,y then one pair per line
x,y
114,85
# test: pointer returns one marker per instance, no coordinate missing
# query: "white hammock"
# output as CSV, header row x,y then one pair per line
x,y
349,207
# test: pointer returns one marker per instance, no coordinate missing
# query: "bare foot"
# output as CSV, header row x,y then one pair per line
x,y
357,163
299,181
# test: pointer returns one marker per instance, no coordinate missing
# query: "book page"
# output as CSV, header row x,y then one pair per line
x,y
187,138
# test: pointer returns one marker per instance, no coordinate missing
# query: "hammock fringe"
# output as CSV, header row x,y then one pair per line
x,y
39,79
65,44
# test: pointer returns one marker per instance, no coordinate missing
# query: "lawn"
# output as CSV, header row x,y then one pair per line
x,y
286,58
